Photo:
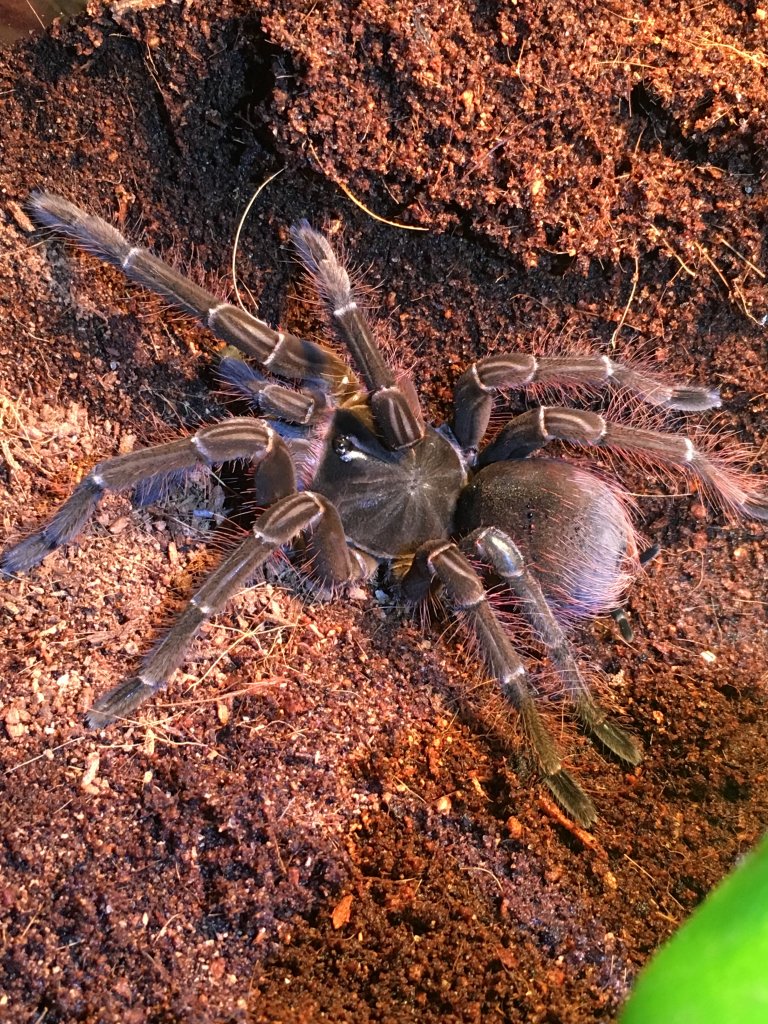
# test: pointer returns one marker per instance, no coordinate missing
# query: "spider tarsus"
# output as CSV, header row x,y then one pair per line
x,y
618,741
54,211
24,555
602,728
691,398
118,702
321,262
312,247
619,616
94,233
62,528
756,507
572,798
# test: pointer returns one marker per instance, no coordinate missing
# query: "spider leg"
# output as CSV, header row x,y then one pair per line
x,y
279,352
477,386
232,439
277,526
304,407
619,615
498,549
394,403
532,430
466,594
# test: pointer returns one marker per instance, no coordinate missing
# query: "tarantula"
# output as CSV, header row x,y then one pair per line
x,y
381,486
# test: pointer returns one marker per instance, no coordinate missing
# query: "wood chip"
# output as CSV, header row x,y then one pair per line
x,y
20,216
91,771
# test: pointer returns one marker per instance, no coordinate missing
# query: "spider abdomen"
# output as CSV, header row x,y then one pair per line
x,y
572,527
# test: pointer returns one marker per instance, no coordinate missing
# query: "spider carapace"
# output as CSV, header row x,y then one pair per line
x,y
344,461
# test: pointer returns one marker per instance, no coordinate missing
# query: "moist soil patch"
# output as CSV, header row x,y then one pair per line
x,y
326,817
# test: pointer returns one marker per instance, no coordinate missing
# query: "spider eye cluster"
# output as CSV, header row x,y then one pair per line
x,y
348,448
353,440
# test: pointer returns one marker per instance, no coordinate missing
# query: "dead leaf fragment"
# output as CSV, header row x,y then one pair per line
x,y
342,912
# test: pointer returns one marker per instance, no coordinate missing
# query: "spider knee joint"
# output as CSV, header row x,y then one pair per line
x,y
95,480
502,552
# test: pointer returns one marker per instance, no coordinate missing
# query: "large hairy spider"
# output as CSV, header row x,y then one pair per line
x,y
378,485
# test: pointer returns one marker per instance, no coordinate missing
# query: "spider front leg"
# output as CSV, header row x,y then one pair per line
x,y
394,403
498,550
276,351
466,594
532,430
334,562
478,386
249,439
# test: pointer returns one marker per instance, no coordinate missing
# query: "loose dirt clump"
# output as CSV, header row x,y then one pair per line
x,y
311,825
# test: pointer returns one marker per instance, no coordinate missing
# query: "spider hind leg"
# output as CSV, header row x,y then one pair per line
x,y
497,549
466,594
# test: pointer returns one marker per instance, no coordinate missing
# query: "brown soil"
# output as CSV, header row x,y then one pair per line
x,y
317,831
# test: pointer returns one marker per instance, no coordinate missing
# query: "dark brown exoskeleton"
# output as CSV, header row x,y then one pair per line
x,y
381,486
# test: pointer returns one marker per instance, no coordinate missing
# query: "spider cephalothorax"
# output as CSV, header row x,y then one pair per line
x,y
380,486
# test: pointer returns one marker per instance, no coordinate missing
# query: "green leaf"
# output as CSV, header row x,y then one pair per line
x,y
714,970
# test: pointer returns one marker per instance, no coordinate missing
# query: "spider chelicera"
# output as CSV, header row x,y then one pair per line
x,y
380,486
